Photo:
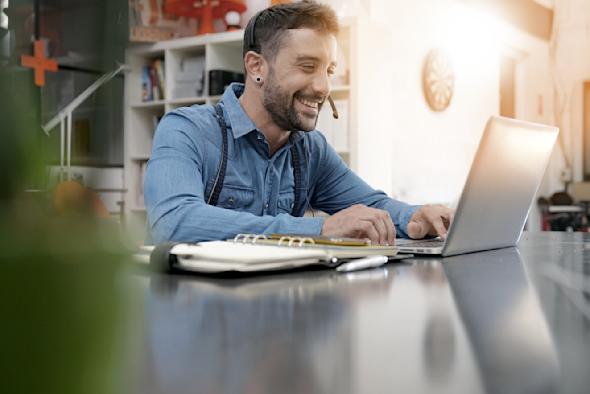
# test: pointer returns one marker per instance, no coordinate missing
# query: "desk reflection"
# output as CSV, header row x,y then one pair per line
x,y
465,324
285,333
506,326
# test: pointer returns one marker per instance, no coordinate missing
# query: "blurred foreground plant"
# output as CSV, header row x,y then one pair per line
x,y
64,295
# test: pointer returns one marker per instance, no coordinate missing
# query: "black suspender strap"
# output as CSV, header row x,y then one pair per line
x,y
220,177
297,176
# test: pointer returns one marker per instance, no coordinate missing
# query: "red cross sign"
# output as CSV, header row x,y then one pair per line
x,y
39,63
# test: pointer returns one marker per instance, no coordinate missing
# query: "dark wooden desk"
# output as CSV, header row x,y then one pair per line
x,y
504,321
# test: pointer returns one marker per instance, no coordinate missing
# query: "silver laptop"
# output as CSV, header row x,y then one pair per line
x,y
502,183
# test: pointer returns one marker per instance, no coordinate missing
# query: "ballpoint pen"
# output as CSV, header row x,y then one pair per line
x,y
361,264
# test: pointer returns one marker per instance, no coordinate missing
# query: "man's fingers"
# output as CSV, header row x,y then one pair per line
x,y
379,219
439,227
416,229
362,222
368,230
381,229
390,228
430,220
387,235
440,222
450,216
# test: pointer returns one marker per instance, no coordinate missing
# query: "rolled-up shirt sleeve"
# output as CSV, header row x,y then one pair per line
x,y
338,187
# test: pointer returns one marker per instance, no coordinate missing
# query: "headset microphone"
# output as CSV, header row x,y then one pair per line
x,y
333,106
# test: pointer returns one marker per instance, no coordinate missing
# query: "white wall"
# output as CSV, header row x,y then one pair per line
x,y
539,77
534,97
572,66
411,152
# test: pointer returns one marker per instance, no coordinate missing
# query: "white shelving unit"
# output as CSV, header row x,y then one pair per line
x,y
220,51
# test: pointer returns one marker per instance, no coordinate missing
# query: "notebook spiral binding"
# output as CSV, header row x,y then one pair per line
x,y
283,241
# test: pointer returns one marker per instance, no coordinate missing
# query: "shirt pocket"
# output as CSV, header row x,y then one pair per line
x,y
235,197
285,203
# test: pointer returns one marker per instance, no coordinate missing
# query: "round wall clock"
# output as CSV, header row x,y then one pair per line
x,y
438,80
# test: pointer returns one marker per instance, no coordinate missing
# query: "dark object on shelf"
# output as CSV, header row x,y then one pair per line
x,y
561,198
220,79
559,213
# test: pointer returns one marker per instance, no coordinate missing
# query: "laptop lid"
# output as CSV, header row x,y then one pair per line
x,y
503,180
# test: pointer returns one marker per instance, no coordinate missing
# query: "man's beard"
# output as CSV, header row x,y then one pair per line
x,y
281,107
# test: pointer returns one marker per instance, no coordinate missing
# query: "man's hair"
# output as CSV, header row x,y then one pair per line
x,y
266,30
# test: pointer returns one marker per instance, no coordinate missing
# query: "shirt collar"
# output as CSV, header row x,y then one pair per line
x,y
240,123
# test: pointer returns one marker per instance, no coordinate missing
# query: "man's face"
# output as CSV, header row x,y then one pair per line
x,y
298,80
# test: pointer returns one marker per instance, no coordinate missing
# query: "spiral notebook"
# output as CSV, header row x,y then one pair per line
x,y
338,247
257,253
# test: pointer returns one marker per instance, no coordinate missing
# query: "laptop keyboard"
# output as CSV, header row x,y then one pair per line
x,y
429,243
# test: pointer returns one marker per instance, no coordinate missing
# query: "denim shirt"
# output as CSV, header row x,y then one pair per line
x,y
258,190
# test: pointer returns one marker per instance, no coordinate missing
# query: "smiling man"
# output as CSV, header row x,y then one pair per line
x,y
254,163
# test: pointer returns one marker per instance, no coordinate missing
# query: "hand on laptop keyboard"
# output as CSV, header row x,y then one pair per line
x,y
360,221
430,220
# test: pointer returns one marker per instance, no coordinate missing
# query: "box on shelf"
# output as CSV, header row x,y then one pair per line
x,y
220,79
190,77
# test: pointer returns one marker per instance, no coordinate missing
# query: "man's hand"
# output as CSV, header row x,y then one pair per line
x,y
360,221
430,220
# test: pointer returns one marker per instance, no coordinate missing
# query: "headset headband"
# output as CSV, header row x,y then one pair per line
x,y
252,34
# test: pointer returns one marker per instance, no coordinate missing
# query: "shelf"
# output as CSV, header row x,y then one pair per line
x,y
149,104
139,157
186,43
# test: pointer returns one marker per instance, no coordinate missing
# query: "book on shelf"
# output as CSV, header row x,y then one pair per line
x,y
249,253
155,87
152,81
158,66
146,84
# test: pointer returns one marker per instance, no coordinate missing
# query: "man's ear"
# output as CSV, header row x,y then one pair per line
x,y
255,66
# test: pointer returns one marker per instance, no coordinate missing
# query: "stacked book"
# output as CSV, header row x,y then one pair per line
x,y
152,81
